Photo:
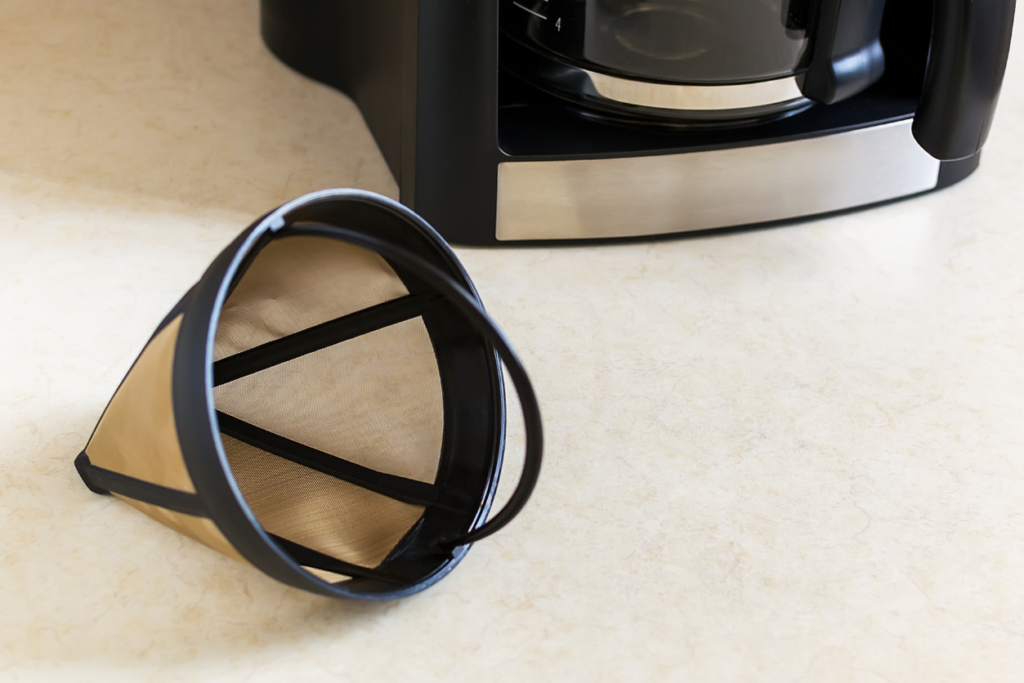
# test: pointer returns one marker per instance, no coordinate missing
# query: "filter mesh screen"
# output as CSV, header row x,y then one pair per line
x,y
374,399
297,282
317,510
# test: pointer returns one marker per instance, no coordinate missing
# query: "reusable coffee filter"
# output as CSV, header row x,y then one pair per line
x,y
326,403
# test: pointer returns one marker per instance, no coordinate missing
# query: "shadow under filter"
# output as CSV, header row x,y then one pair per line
x,y
326,404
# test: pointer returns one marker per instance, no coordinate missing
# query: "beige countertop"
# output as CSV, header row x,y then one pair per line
x,y
793,454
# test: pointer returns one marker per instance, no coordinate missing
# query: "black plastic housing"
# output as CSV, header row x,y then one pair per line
x,y
425,74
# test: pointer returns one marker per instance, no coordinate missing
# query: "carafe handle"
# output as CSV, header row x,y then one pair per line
x,y
969,47
847,56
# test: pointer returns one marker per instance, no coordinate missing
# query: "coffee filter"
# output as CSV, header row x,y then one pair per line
x,y
326,403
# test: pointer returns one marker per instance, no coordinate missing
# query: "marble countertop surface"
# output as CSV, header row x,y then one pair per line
x,y
792,454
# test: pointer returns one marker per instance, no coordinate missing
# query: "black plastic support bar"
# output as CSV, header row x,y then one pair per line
x,y
322,336
390,485
104,481
318,560
969,49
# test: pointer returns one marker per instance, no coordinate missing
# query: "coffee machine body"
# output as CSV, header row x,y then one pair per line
x,y
495,141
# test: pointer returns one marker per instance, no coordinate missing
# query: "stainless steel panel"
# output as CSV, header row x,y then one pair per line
x,y
593,198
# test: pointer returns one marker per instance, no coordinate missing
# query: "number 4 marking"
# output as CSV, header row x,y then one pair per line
x,y
558,24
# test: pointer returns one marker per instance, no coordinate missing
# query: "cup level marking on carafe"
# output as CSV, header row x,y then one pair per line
x,y
536,14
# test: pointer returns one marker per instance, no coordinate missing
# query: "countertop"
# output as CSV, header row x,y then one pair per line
x,y
790,454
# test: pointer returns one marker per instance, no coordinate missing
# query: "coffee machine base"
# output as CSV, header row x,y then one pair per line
x,y
489,160
707,190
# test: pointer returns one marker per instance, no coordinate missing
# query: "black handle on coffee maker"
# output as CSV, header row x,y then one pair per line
x,y
846,56
970,44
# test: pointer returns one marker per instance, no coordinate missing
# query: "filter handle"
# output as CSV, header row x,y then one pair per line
x,y
471,308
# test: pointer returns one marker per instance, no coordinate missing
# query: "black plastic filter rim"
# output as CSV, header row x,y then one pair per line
x,y
194,405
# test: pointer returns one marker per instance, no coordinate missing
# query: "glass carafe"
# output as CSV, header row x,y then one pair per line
x,y
694,60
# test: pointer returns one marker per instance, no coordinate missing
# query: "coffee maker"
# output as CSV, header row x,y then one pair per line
x,y
538,121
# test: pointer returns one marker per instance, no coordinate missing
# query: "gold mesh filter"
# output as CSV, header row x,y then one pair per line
x,y
326,403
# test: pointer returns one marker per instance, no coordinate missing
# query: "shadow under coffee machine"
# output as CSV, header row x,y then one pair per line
x,y
519,121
